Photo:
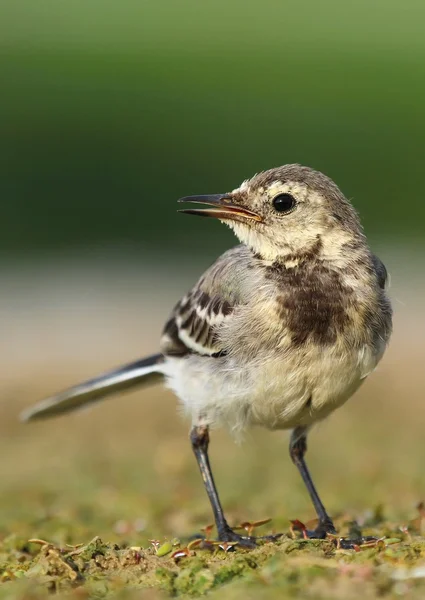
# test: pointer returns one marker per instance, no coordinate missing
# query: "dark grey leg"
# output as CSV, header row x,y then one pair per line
x,y
199,437
297,450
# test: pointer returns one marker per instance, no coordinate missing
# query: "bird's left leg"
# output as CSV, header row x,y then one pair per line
x,y
297,450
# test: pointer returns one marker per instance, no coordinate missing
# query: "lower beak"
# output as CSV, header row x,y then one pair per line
x,y
222,208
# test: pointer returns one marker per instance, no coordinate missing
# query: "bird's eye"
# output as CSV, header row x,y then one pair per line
x,y
283,203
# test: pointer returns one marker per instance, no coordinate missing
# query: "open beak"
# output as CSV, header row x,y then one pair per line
x,y
222,208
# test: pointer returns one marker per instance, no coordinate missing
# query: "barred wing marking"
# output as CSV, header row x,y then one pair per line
x,y
194,323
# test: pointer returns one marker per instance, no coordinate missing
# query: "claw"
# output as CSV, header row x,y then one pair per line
x,y
228,536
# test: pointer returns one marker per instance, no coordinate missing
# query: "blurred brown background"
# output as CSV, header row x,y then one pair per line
x,y
111,112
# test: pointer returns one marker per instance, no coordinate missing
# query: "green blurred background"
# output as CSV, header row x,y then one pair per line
x,y
110,111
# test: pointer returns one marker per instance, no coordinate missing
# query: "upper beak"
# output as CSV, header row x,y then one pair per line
x,y
223,208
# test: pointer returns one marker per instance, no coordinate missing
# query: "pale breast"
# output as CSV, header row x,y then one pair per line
x,y
309,386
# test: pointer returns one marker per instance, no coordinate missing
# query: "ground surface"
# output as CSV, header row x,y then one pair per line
x,y
93,489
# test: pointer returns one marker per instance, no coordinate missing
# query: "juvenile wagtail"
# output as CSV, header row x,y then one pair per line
x,y
280,331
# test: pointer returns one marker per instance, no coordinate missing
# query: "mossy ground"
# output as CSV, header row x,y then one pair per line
x,y
95,488
288,568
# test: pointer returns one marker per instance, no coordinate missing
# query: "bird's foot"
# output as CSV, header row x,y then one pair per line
x,y
321,531
326,530
229,538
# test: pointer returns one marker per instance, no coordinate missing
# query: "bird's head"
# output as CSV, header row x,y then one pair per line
x,y
285,211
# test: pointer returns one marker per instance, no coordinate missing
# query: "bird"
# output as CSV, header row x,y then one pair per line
x,y
279,332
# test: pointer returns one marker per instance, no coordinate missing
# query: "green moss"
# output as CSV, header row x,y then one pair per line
x,y
236,568
94,548
165,580
289,567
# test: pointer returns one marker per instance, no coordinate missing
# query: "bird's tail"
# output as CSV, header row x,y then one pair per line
x,y
137,374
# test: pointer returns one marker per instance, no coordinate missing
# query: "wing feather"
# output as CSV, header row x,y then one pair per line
x,y
195,322
381,272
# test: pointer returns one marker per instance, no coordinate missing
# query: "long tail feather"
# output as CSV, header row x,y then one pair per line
x,y
137,374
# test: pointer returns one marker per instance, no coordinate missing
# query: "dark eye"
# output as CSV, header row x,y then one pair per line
x,y
284,203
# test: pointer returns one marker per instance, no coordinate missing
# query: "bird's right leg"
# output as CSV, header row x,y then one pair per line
x,y
199,437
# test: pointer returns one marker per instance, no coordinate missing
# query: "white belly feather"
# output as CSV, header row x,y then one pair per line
x,y
277,392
